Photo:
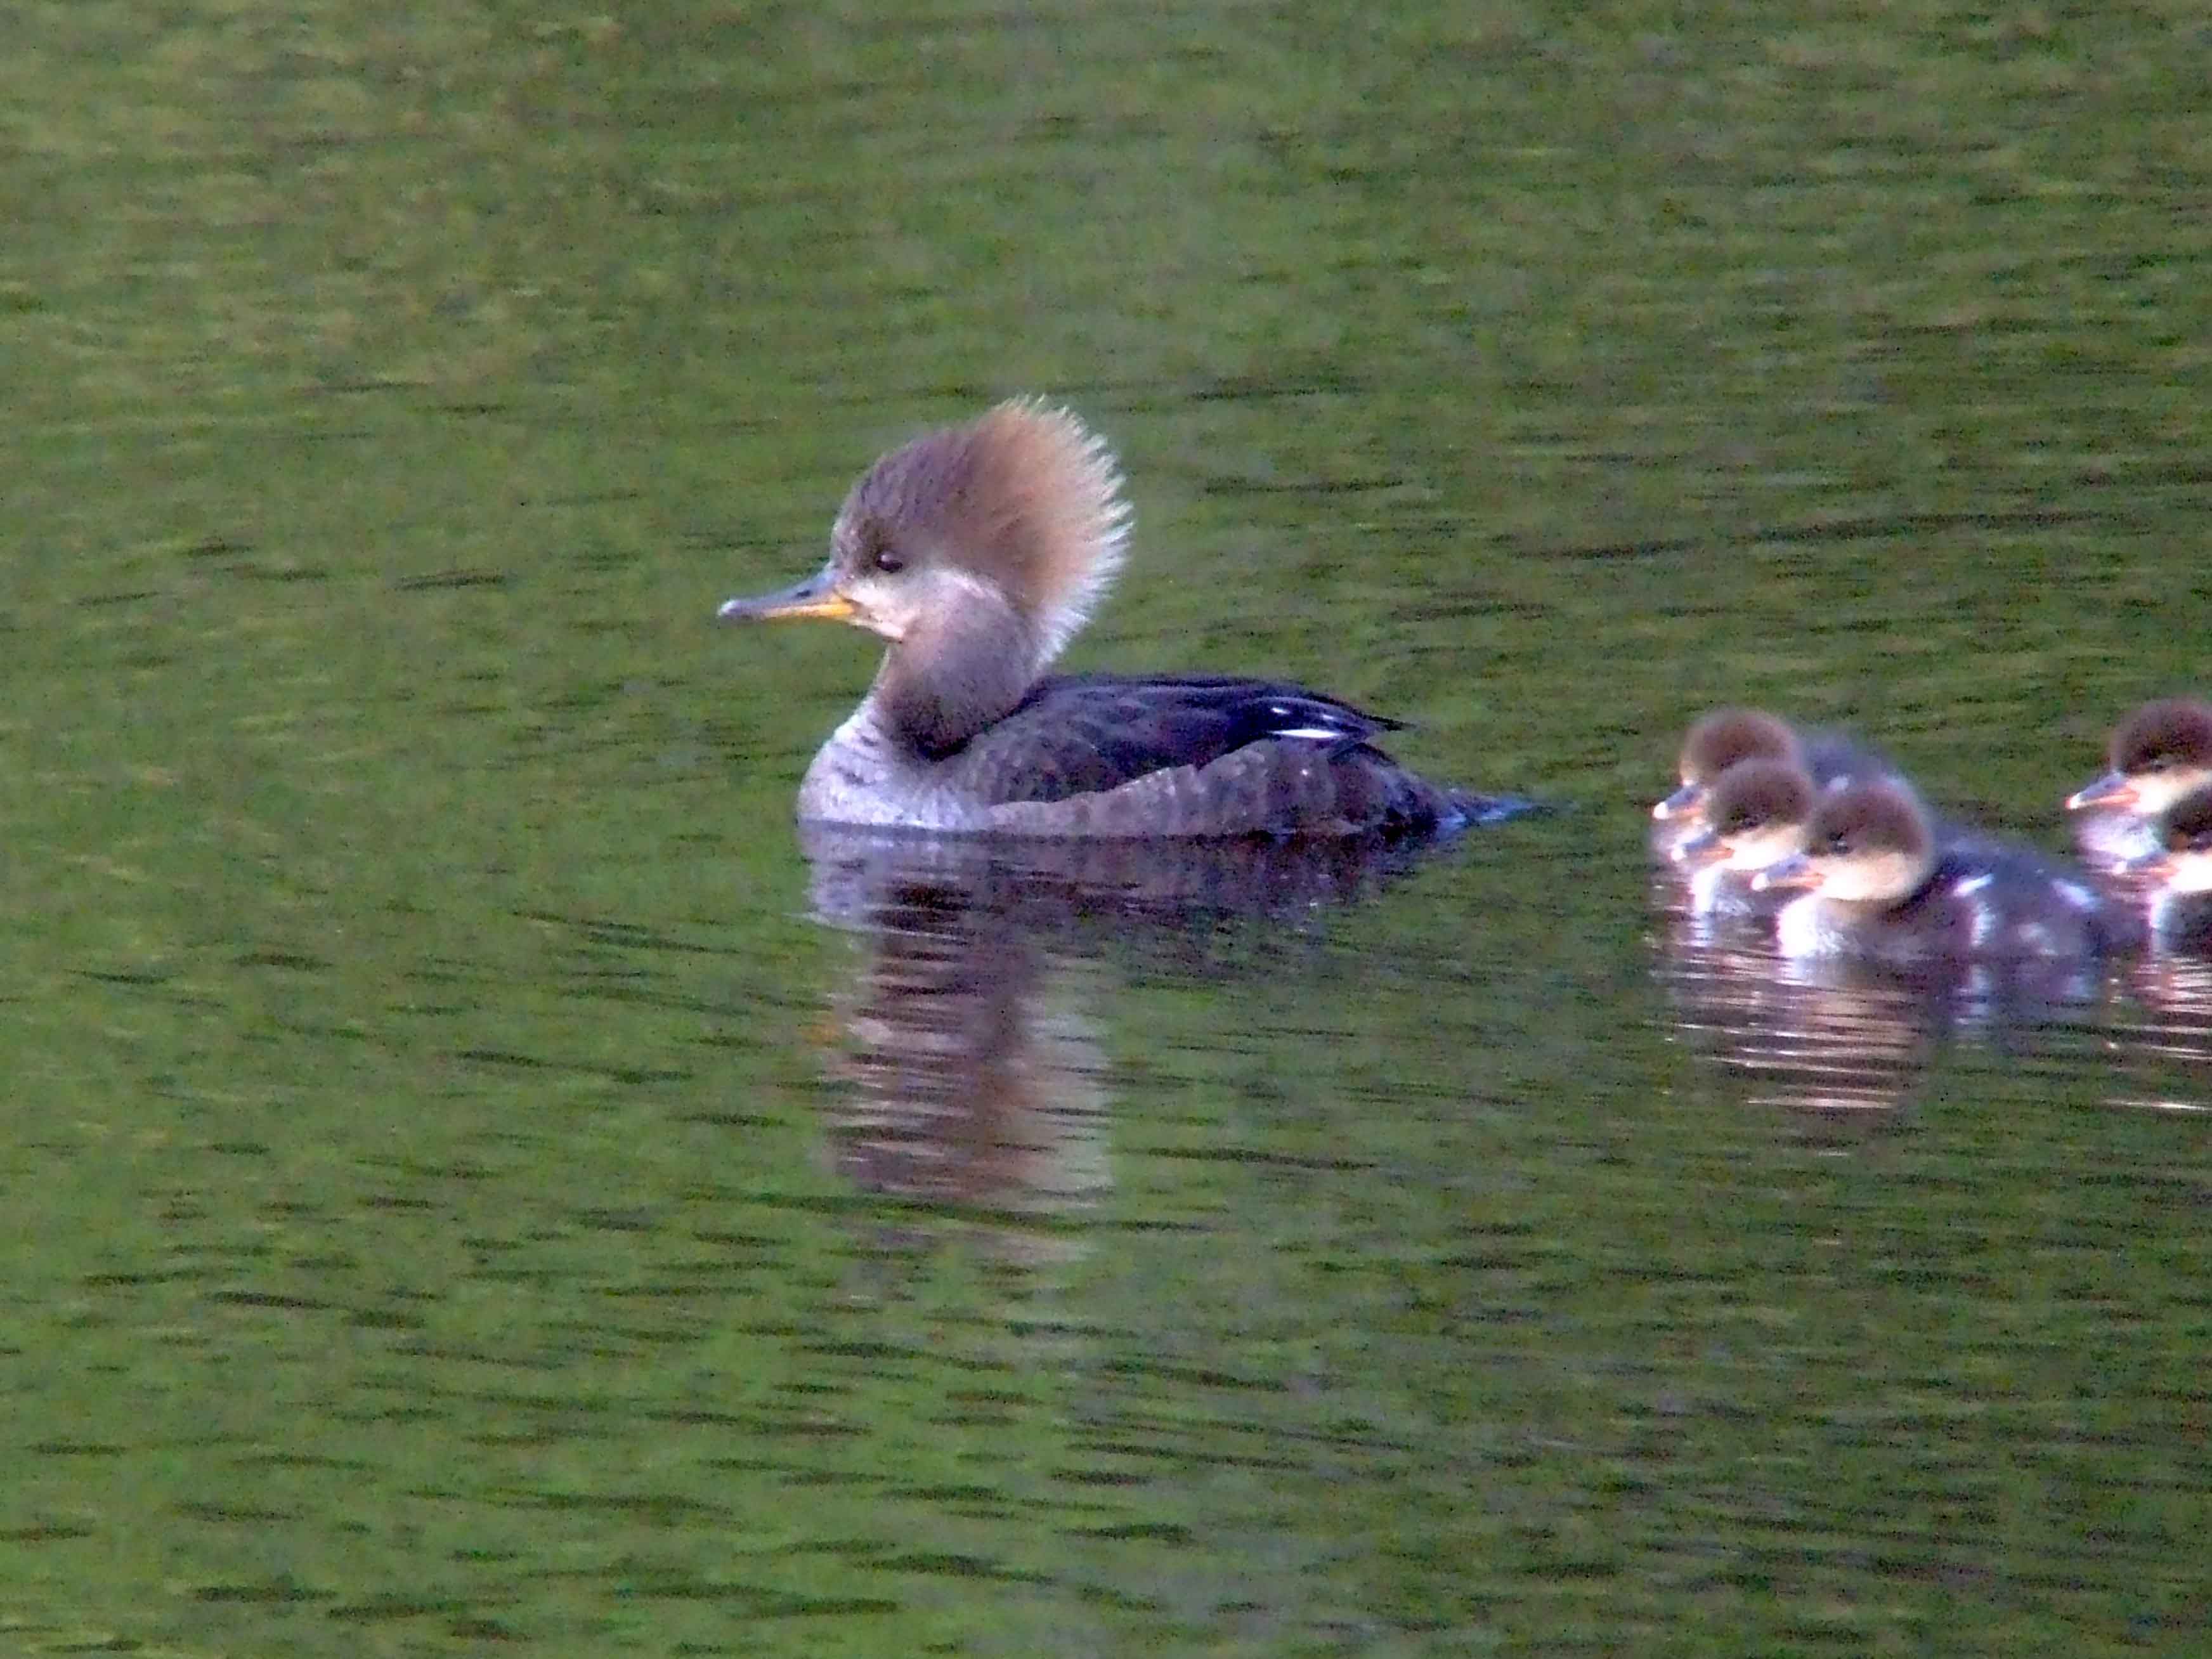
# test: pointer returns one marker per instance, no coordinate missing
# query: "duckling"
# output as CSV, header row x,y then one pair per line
x,y
2159,753
1756,814
1881,887
975,553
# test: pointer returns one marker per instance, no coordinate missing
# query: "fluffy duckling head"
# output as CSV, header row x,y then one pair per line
x,y
1718,741
1757,815
2159,754
1867,843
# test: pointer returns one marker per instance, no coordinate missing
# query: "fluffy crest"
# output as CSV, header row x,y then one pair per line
x,y
1025,495
1057,486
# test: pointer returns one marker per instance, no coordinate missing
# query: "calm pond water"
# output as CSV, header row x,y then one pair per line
x,y
480,1182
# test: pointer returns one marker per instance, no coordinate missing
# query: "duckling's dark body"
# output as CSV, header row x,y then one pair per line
x,y
1981,903
1888,887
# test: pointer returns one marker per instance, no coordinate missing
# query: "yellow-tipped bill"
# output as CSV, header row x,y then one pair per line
x,y
815,595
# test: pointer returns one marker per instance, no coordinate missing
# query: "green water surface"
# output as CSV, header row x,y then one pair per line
x,y
429,1090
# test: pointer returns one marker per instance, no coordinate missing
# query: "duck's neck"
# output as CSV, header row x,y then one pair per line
x,y
952,677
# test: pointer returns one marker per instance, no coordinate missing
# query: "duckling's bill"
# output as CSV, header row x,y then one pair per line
x,y
2154,868
1797,870
1700,847
2111,790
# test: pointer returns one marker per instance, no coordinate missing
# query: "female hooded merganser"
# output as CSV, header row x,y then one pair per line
x,y
1728,737
2159,754
2178,876
1756,814
977,552
1883,888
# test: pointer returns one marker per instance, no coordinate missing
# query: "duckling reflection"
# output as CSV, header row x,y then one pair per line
x,y
2173,981
2172,1032
971,1047
2159,754
1883,888
1848,1053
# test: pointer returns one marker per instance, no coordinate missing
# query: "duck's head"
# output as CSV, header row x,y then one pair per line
x,y
1720,740
1757,815
2159,754
2183,862
1867,843
977,551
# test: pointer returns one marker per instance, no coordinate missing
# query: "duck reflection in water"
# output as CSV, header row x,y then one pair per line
x,y
1849,1052
970,1048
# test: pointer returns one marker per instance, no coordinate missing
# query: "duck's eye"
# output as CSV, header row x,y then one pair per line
x,y
889,560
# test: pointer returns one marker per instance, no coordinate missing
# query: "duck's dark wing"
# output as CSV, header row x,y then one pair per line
x,y
1084,734
1213,754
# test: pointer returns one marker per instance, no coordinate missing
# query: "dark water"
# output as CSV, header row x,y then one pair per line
x,y
476,1184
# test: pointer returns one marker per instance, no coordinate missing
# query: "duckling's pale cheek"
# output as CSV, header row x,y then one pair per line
x,y
1765,847
1842,880
1884,877
2159,790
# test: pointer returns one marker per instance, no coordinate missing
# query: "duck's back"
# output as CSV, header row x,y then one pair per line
x,y
1119,755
